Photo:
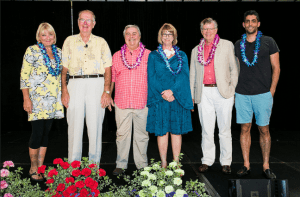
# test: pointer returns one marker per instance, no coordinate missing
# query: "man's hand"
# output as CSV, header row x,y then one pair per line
x,y
65,98
272,92
106,101
192,110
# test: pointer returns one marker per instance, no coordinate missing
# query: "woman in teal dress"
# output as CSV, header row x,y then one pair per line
x,y
169,96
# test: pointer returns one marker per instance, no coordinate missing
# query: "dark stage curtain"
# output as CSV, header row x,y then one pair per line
x,y
20,21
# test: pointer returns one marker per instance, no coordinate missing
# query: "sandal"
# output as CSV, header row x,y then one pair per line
x,y
33,174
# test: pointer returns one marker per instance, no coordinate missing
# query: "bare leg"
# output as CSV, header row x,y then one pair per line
x,y
33,153
176,146
265,144
41,156
245,140
162,142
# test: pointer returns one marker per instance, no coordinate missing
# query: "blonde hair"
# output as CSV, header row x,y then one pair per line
x,y
170,28
89,11
42,27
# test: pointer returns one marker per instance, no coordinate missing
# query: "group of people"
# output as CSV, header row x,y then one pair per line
x,y
155,92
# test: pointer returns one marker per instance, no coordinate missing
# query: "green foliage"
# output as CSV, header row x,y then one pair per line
x,y
20,187
156,181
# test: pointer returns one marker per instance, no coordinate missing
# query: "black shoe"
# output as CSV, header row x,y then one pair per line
x,y
226,169
269,174
243,172
118,171
203,168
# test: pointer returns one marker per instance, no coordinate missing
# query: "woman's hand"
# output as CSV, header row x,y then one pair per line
x,y
167,94
27,105
171,99
65,98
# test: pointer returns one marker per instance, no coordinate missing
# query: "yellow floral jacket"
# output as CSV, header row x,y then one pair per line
x,y
44,89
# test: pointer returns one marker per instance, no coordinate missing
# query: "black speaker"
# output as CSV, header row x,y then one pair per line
x,y
258,188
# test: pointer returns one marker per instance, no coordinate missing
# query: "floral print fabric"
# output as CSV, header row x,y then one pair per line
x,y
86,58
44,89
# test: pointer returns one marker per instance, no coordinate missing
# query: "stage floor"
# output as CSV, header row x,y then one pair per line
x,y
284,159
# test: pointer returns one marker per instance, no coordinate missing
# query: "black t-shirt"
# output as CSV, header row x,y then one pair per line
x,y
256,79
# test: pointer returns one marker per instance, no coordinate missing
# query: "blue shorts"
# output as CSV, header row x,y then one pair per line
x,y
260,104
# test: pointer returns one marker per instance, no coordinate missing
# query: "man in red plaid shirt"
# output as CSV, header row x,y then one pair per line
x,y
129,75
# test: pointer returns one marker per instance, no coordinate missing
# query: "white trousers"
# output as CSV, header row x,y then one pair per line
x,y
85,96
214,105
124,120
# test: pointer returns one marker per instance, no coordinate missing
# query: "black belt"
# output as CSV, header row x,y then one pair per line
x,y
210,85
86,76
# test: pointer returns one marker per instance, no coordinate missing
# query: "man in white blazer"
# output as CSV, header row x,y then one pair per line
x,y
213,77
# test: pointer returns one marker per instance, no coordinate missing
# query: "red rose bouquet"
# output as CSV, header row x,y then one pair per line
x,y
79,178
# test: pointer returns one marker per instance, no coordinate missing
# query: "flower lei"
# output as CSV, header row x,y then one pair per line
x,y
53,71
138,59
243,49
163,55
211,53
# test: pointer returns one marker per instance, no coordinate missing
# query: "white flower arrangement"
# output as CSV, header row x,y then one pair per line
x,y
154,181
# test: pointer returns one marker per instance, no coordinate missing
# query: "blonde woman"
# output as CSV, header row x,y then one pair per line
x,y
41,88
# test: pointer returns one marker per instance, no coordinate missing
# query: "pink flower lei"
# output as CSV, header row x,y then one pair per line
x,y
211,53
138,59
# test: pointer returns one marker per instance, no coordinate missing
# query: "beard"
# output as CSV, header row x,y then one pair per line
x,y
254,30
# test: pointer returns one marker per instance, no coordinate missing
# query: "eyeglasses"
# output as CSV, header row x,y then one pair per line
x,y
167,35
210,29
87,20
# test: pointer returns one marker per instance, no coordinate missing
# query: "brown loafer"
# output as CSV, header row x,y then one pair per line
x,y
226,169
118,171
203,168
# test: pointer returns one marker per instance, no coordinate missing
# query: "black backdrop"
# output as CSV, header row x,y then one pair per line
x,y
21,19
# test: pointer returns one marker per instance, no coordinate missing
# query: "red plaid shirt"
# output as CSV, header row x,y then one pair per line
x,y
130,85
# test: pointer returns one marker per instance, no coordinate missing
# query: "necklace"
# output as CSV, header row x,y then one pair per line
x,y
53,71
138,59
169,52
163,55
243,49
211,53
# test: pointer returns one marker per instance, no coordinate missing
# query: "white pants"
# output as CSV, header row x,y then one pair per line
x,y
212,105
124,119
85,96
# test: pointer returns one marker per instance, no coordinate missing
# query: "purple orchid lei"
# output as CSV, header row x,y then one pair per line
x,y
243,49
53,71
163,55
138,59
211,53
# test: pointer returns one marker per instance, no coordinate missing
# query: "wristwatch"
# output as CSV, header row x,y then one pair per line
x,y
108,92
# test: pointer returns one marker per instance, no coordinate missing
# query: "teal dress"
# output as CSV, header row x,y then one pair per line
x,y
164,116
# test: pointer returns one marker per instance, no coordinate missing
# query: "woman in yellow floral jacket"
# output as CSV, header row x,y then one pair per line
x,y
41,88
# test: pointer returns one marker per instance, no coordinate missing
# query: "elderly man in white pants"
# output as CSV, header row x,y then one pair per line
x,y
88,60
213,78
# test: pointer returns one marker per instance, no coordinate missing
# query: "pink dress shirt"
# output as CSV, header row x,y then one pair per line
x,y
209,71
130,85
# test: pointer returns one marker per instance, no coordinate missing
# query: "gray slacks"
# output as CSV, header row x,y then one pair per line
x,y
124,119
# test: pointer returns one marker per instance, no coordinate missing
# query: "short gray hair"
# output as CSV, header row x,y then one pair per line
x,y
208,20
129,26
89,11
